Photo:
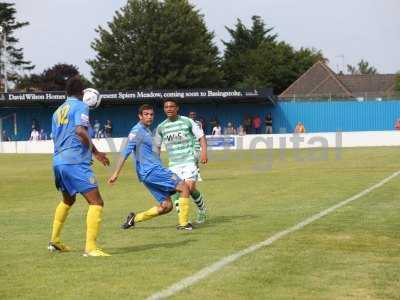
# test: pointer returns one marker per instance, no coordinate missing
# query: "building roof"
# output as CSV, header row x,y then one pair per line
x,y
320,82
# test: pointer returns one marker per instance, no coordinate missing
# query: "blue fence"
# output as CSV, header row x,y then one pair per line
x,y
316,116
337,115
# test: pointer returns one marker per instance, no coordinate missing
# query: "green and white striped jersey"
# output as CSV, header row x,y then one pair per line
x,y
178,137
197,146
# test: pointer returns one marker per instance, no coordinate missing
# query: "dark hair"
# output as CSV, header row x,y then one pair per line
x,y
74,86
171,100
144,107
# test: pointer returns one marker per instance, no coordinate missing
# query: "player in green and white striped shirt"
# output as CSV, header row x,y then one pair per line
x,y
179,134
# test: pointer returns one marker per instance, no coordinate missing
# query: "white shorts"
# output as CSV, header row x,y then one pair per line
x,y
186,172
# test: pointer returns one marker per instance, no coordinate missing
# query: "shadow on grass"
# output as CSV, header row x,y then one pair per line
x,y
225,178
219,220
140,248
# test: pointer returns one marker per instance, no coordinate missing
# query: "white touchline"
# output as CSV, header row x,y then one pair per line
x,y
203,273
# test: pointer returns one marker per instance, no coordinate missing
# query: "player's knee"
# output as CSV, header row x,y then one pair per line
x,y
192,188
169,206
166,207
93,197
183,187
69,202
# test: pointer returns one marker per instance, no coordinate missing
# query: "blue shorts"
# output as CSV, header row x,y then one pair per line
x,y
161,183
74,179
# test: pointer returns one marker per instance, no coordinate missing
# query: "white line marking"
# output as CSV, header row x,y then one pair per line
x,y
203,273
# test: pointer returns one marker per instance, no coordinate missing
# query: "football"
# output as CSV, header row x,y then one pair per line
x,y
92,98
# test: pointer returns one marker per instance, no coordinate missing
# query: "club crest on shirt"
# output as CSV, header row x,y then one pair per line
x,y
93,180
132,136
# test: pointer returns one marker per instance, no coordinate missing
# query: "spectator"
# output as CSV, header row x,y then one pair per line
x,y
35,125
203,124
397,125
42,135
256,123
216,130
240,130
35,135
229,129
96,128
101,134
193,116
213,123
108,129
5,137
299,128
247,124
268,123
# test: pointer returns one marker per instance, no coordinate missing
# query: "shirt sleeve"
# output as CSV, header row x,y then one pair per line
x,y
82,116
131,145
196,130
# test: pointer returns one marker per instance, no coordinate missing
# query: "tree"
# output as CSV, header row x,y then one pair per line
x,y
15,57
155,44
253,58
243,40
362,68
51,79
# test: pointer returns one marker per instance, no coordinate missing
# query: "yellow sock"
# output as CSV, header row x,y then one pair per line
x,y
183,211
93,220
59,218
147,215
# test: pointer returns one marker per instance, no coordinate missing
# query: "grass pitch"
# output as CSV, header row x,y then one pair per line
x,y
353,253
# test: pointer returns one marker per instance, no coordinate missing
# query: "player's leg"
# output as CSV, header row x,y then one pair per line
x,y
93,222
85,182
197,162
183,189
178,170
64,185
175,201
198,199
60,216
165,206
190,175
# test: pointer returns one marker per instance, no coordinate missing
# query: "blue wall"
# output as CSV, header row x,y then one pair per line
x,y
337,116
316,116
123,117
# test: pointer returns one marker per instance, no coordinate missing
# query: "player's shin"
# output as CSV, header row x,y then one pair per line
x,y
175,200
93,221
198,199
147,215
59,218
183,211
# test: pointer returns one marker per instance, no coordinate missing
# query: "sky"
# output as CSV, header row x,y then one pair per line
x,y
346,31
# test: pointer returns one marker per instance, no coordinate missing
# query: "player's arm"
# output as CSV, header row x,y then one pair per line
x,y
81,128
83,134
118,168
203,145
157,141
200,136
132,140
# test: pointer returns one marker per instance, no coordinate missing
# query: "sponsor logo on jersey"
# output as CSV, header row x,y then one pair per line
x,y
173,137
